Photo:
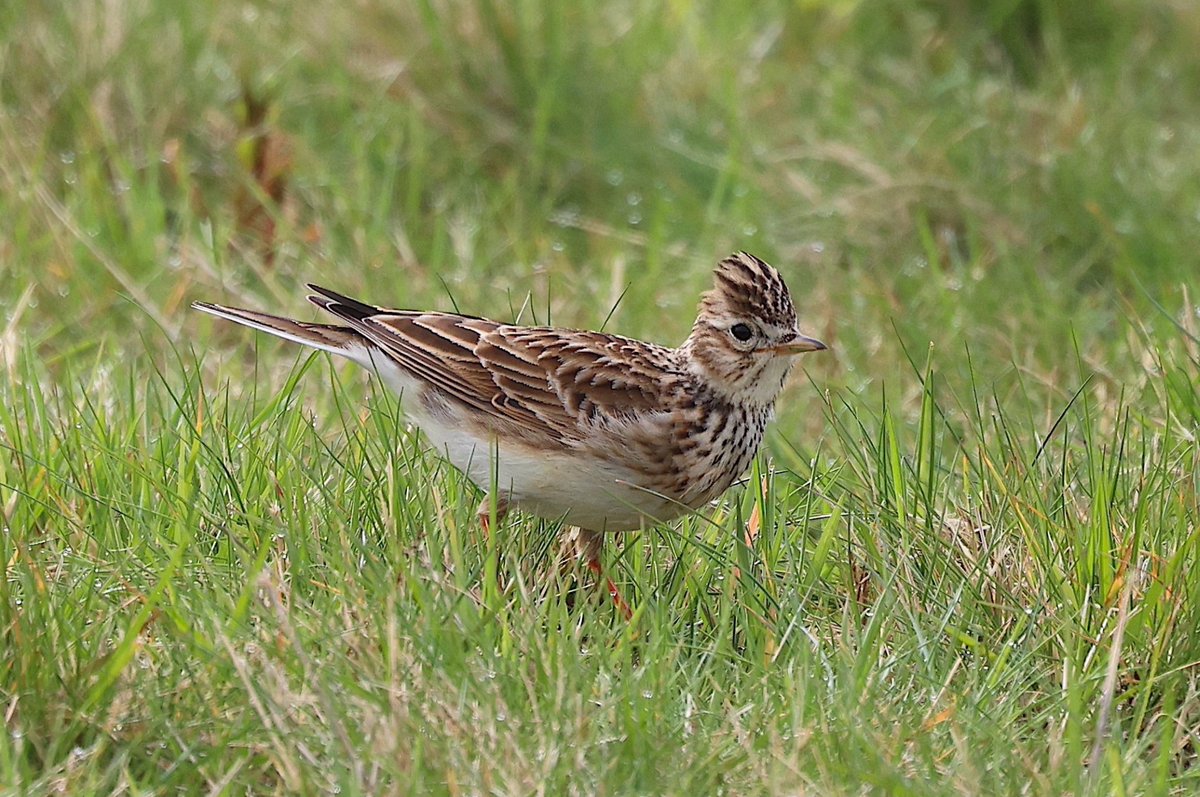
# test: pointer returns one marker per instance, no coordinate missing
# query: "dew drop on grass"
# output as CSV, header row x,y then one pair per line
x,y
634,199
67,157
635,219
749,230
558,246
614,177
501,717
567,217
816,247
648,694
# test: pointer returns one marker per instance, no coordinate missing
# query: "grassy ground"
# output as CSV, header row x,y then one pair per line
x,y
231,568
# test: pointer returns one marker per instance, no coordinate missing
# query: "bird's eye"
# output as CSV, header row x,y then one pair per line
x,y
742,332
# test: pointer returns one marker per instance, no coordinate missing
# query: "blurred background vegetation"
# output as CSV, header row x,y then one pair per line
x,y
1002,194
1029,159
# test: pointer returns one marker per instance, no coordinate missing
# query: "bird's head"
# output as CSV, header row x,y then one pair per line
x,y
745,336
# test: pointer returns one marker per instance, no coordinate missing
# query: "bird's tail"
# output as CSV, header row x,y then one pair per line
x,y
326,337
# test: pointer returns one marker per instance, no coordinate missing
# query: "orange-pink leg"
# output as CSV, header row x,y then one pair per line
x,y
586,544
484,512
622,607
587,547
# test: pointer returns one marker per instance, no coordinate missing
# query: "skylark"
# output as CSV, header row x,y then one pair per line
x,y
605,432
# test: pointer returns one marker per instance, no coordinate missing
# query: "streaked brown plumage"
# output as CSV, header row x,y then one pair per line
x,y
604,431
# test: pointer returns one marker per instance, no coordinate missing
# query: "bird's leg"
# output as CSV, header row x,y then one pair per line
x,y
587,547
484,512
492,509
622,607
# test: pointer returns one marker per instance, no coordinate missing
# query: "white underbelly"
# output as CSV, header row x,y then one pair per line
x,y
584,492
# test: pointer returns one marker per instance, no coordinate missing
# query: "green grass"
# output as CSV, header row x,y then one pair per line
x,y
231,567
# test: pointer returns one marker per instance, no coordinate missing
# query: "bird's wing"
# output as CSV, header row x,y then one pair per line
x,y
548,385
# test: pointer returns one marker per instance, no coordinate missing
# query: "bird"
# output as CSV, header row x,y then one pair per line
x,y
603,432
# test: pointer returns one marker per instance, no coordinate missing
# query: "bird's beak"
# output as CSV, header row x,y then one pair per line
x,y
799,345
